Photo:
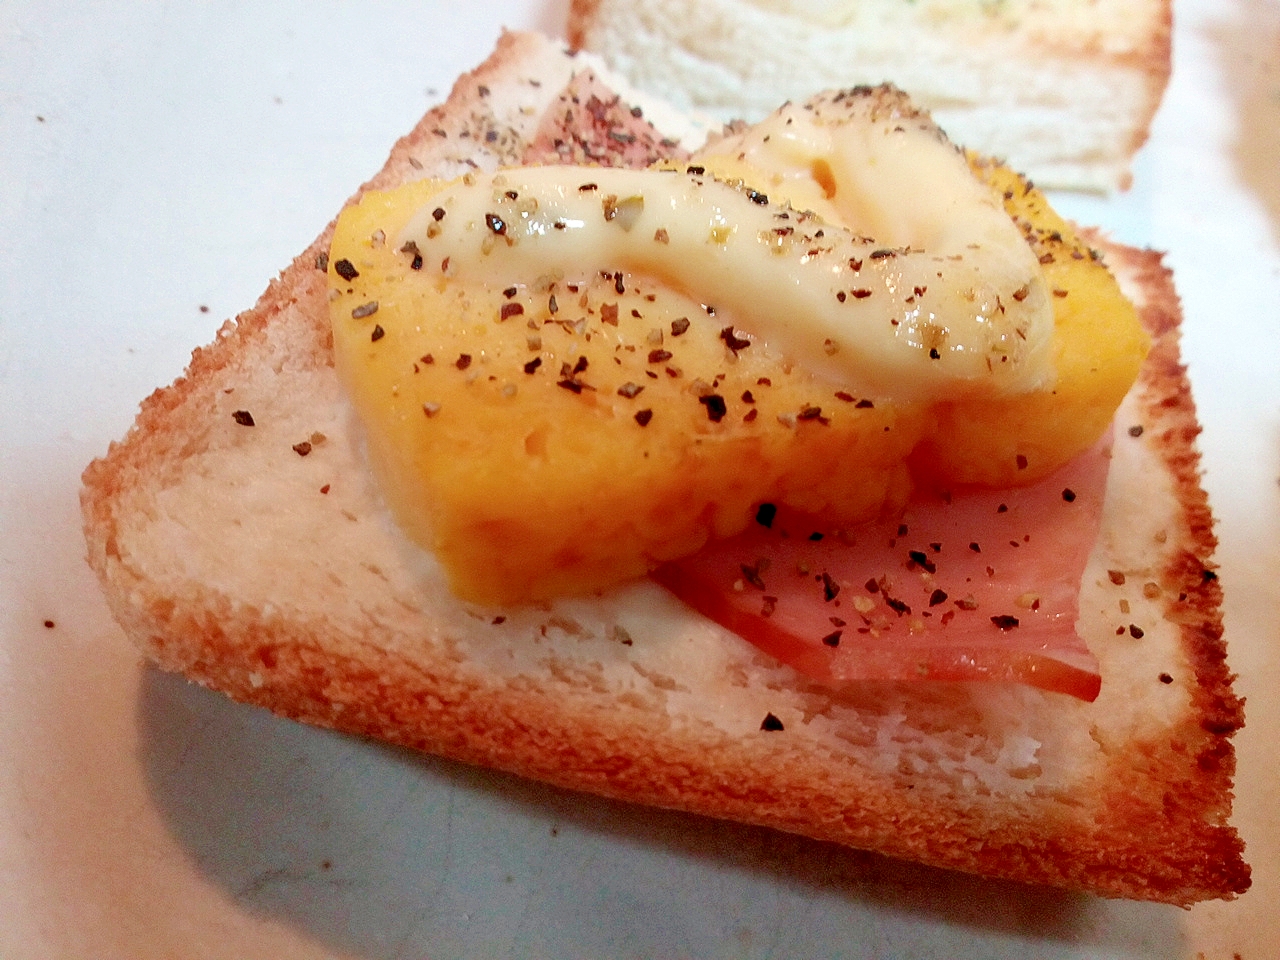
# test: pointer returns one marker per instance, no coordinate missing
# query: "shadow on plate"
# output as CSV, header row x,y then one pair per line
x,y
1247,49
383,853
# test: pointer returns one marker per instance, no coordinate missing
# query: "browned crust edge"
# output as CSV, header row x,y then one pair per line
x,y
459,715
301,283
582,13
1189,578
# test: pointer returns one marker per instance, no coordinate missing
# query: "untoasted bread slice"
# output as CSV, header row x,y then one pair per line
x,y
1064,92
240,539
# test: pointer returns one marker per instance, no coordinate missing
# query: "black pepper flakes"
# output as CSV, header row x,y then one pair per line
x,y
830,589
716,408
302,449
1136,631
243,417
833,639
1005,621
533,365
751,573
463,361
921,559
377,334
365,310
679,326
510,310
766,513
659,356
643,417
346,269
732,340
496,224
771,724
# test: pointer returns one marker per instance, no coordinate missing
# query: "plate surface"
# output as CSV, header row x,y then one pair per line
x,y
160,162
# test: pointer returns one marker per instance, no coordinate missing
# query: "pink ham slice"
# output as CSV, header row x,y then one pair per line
x,y
590,125
981,585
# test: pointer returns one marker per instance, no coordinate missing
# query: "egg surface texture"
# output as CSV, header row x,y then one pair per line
x,y
568,376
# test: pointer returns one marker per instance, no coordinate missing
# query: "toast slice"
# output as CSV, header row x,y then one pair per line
x,y
1064,92
241,540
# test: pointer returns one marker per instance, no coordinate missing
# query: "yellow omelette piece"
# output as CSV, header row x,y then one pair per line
x,y
564,435
1099,345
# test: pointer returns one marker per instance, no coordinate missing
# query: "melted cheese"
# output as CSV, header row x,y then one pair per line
x,y
907,280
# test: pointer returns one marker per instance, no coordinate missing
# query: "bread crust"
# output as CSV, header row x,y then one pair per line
x,y
404,672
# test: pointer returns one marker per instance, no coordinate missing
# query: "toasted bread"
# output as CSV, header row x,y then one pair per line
x,y
241,539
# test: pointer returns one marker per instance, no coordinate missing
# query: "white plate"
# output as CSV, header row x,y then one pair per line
x,y
160,162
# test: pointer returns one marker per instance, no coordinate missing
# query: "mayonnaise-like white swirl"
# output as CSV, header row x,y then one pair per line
x,y
909,281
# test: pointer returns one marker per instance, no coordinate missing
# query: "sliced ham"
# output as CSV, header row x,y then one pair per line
x,y
975,585
589,125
